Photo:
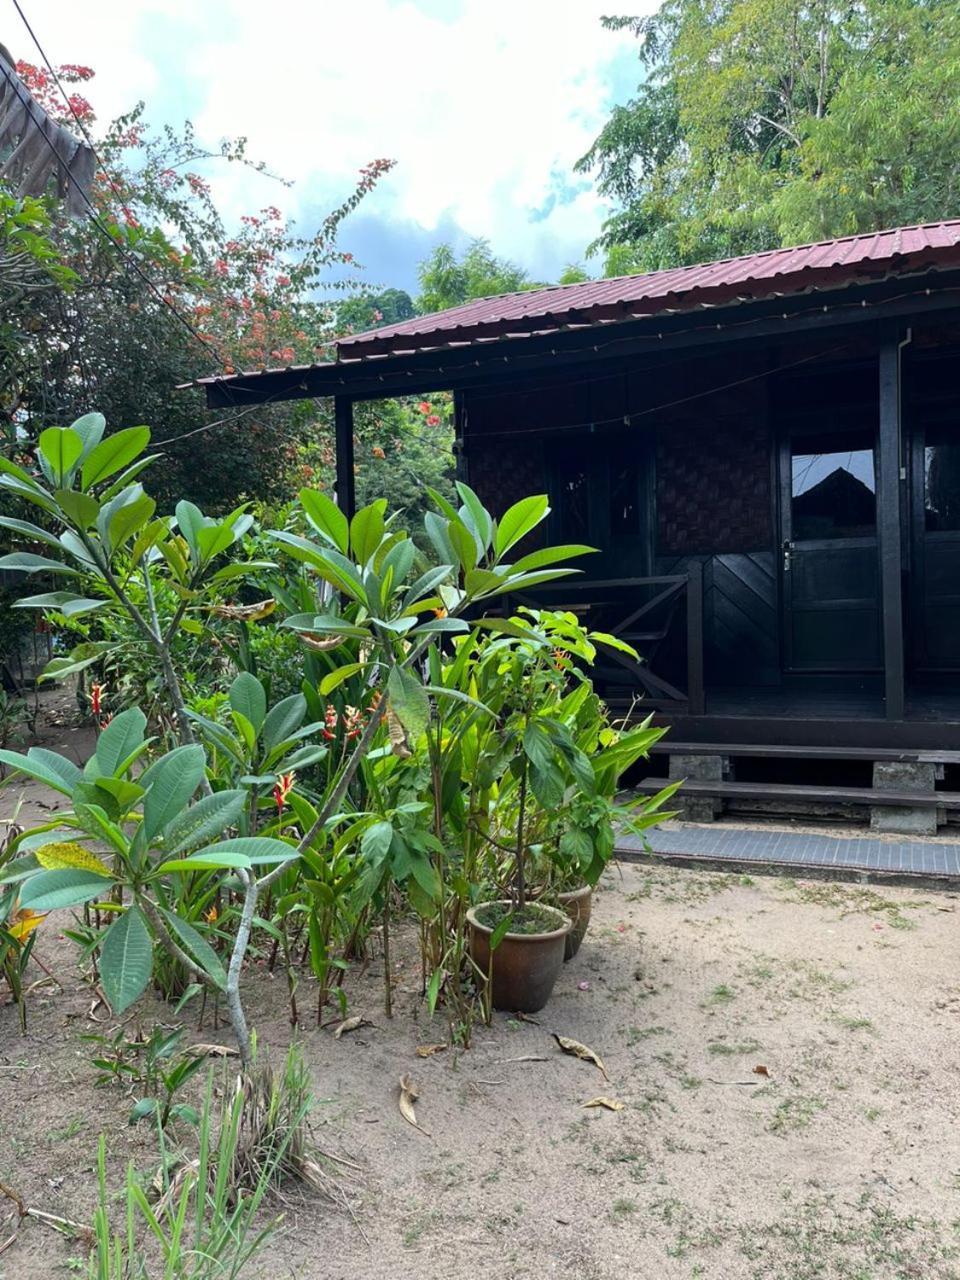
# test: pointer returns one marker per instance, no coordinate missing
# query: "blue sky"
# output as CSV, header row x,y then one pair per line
x,y
484,104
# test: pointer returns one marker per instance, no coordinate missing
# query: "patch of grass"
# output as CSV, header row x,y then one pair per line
x,y
75,1125
636,1034
738,1048
690,1082
419,1225
794,1114
622,1208
721,994
854,900
854,1024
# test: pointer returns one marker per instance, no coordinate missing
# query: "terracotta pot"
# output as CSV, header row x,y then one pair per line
x,y
578,904
525,965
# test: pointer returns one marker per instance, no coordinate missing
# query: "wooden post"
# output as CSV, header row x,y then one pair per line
x,y
696,702
889,534
343,418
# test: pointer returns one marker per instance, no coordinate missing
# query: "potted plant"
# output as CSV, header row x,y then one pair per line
x,y
559,794
560,764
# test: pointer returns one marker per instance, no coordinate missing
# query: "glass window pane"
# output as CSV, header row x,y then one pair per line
x,y
833,490
941,480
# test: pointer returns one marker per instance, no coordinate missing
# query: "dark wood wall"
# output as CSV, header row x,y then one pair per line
x,y
713,485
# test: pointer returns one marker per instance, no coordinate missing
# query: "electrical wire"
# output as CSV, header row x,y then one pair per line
x,y
94,217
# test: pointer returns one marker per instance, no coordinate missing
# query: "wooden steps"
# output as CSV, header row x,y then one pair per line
x,y
813,794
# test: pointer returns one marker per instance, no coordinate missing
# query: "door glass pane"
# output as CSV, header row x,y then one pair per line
x,y
625,500
833,488
941,479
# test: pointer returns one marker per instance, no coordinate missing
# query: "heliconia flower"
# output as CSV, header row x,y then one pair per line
x,y
105,720
283,788
97,691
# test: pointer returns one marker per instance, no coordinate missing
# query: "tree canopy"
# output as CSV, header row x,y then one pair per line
x,y
448,281
759,123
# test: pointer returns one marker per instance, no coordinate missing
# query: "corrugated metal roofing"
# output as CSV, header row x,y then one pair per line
x,y
828,264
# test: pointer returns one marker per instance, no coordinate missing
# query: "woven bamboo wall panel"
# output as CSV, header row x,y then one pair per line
x,y
713,479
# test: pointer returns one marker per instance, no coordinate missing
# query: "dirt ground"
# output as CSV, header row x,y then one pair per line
x,y
841,1158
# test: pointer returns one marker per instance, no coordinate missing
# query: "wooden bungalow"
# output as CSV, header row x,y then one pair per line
x,y
767,452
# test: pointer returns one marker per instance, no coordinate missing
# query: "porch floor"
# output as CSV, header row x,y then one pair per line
x,y
730,848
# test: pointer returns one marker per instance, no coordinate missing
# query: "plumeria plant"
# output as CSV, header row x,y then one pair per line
x,y
134,835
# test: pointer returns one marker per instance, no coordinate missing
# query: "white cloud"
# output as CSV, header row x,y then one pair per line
x,y
481,102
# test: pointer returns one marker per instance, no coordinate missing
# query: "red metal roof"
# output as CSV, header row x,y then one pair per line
x,y
827,265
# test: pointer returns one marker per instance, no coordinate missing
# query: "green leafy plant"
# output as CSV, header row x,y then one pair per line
x,y
204,1226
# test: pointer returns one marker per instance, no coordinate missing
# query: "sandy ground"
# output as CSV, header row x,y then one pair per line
x,y
840,1160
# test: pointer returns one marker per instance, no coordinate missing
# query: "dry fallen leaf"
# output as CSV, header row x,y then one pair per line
x,y
348,1024
761,1070
428,1050
409,1093
213,1051
583,1051
610,1103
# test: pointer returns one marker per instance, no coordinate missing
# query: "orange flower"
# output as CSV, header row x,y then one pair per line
x,y
212,915
283,788
440,613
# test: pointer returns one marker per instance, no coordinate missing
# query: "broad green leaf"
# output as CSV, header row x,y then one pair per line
x,y
284,719
170,782
27,562
83,656
248,696
190,520
367,529
32,532
500,932
125,794
60,448
375,843
209,817
327,518
479,515
213,540
408,700
65,602
518,521
129,519
45,766
80,508
255,849
196,946
551,555
53,890
120,739
112,454
126,959
336,678
90,429
203,861
464,544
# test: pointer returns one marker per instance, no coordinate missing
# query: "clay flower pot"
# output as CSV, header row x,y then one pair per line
x,y
578,904
525,965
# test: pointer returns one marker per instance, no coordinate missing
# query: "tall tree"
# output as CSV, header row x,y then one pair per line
x,y
449,281
766,122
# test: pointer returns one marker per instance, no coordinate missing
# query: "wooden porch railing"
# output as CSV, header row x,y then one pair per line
x,y
650,625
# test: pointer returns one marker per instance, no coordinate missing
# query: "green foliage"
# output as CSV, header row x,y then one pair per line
x,y
204,1226
446,281
768,122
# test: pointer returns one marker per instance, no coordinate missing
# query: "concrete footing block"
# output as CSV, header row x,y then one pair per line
x,y
697,768
904,820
